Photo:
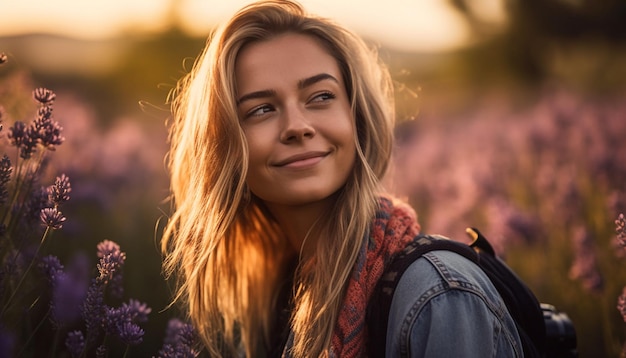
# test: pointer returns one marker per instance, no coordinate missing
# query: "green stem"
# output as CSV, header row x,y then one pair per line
x,y
43,319
55,343
24,186
17,175
126,351
22,279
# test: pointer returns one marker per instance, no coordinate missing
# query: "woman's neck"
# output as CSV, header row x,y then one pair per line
x,y
300,223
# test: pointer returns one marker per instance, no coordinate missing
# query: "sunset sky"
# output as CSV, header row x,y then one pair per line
x,y
422,25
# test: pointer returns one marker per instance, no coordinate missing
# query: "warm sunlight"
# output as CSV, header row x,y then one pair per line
x,y
424,25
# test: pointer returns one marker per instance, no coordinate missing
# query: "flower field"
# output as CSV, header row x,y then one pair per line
x,y
541,175
544,179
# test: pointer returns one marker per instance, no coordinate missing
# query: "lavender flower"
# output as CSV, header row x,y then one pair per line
x,y
114,318
52,268
47,130
42,130
179,340
133,311
93,310
621,304
44,95
59,192
64,292
67,294
75,343
101,351
12,265
110,267
5,175
130,333
107,247
29,142
52,218
620,230
138,311
585,266
17,132
37,201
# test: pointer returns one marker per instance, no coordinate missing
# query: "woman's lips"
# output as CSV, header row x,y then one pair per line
x,y
302,160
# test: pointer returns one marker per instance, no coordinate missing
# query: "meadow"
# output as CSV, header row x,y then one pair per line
x,y
539,170
543,179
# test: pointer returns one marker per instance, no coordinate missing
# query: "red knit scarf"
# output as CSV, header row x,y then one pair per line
x,y
393,228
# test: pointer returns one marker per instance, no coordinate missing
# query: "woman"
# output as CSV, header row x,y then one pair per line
x,y
279,234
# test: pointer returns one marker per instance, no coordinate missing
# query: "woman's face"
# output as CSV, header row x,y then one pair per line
x,y
295,112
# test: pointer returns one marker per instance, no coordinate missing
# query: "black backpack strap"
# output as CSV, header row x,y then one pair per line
x,y
380,302
522,304
519,299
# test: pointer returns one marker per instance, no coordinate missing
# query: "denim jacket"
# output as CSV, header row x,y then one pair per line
x,y
445,306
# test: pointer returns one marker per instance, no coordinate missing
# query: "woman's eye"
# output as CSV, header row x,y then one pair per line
x,y
259,111
323,97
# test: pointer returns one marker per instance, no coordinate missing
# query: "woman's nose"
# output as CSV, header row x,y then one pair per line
x,y
296,126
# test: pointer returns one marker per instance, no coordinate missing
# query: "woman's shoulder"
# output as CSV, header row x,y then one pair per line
x,y
440,271
440,290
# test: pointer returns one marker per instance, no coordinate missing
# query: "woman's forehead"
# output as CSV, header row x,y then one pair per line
x,y
288,56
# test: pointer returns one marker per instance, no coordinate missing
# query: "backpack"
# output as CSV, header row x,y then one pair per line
x,y
522,304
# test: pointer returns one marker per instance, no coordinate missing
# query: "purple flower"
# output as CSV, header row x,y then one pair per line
x,y
42,130
17,132
93,310
114,318
68,293
134,311
96,314
52,268
101,351
37,201
110,267
52,218
621,304
122,321
107,267
130,333
585,266
109,247
138,311
44,95
75,343
29,142
620,230
5,175
13,265
58,193
47,130
179,340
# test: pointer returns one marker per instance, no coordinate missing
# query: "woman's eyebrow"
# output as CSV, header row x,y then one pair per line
x,y
254,95
302,84
314,79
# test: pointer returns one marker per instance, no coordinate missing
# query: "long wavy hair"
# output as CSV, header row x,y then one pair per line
x,y
226,252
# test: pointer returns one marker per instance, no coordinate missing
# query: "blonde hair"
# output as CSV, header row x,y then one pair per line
x,y
226,252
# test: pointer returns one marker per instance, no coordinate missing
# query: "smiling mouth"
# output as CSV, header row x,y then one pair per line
x,y
302,159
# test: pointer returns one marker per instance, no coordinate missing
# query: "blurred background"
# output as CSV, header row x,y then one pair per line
x,y
512,119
